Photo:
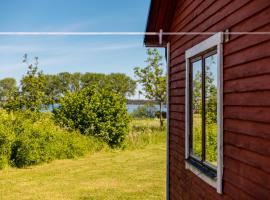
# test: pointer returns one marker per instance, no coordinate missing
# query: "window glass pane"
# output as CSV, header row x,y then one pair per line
x,y
197,109
211,109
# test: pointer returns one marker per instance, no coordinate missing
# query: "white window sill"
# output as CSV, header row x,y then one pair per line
x,y
201,175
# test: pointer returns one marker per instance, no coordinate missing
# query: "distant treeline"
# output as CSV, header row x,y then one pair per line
x,y
37,90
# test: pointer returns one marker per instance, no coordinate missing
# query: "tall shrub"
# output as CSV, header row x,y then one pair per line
x,y
6,139
7,136
97,112
30,138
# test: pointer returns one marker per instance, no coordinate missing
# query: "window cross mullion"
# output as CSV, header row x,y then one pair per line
x,y
203,110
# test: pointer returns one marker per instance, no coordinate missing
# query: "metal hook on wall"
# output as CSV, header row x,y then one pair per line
x,y
160,36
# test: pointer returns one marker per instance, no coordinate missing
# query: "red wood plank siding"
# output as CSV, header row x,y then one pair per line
x,y
246,97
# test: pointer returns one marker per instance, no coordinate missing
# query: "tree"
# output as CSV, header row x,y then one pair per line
x,y
52,89
89,79
33,95
210,95
64,79
153,79
197,93
121,84
68,82
8,87
75,82
117,82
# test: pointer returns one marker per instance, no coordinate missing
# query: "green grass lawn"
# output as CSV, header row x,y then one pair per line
x,y
134,173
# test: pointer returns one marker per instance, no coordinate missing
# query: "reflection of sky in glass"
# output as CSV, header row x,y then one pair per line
x,y
211,62
197,67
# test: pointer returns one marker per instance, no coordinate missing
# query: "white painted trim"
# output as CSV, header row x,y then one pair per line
x,y
206,44
168,125
186,111
220,118
197,172
213,41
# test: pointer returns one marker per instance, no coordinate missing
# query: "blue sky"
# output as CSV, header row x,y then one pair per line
x,y
103,54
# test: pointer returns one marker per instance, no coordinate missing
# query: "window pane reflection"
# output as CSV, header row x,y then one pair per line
x,y
197,109
211,109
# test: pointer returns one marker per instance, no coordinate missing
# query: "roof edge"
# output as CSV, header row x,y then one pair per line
x,y
160,16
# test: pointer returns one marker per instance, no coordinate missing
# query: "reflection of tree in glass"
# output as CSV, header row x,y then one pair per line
x,y
210,110
210,93
197,93
197,110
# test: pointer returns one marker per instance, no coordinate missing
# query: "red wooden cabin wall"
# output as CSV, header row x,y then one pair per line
x,y
246,97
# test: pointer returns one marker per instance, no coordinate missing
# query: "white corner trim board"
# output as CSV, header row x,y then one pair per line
x,y
168,126
213,41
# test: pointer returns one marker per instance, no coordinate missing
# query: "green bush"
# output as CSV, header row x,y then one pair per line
x,y
7,137
6,140
29,138
44,142
100,113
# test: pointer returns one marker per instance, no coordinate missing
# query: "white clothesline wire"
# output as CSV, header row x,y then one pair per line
x,y
124,33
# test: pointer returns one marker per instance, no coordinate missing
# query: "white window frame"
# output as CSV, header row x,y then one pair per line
x,y
213,41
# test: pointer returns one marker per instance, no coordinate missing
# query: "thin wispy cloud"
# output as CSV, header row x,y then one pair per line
x,y
65,57
66,48
79,26
12,67
117,47
11,49
69,56
76,26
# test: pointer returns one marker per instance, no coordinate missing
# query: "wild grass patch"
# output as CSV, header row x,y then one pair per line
x,y
145,132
